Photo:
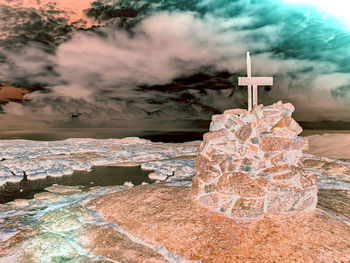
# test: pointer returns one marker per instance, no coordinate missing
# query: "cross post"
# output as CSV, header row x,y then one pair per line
x,y
250,81
249,75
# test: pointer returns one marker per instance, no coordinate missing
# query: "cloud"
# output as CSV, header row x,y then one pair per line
x,y
111,74
169,45
21,25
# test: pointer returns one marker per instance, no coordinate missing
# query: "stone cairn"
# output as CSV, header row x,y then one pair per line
x,y
249,164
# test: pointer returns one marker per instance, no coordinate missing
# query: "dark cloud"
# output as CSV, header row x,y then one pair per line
x,y
20,26
130,13
28,41
341,92
177,60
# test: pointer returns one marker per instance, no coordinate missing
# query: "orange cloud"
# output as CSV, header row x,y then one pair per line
x,y
11,93
73,8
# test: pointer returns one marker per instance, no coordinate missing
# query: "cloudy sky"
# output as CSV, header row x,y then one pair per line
x,y
130,63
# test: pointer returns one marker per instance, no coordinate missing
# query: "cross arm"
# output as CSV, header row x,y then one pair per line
x,y
255,81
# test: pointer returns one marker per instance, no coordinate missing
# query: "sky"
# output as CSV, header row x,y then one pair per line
x,y
168,63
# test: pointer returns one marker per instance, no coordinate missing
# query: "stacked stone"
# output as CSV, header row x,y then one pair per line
x,y
249,163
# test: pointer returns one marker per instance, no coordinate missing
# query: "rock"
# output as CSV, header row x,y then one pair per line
x,y
50,244
240,184
157,176
347,172
249,164
236,111
272,144
63,189
128,184
312,163
287,124
209,176
127,164
287,199
62,221
202,163
244,133
284,132
133,140
215,135
119,248
334,167
219,122
335,202
305,178
209,200
248,207
209,188
46,196
289,107
43,160
197,186
20,202
169,216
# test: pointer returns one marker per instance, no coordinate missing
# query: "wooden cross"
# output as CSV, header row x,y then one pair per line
x,y
255,82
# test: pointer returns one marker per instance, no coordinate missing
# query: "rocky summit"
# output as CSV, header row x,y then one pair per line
x,y
250,164
159,222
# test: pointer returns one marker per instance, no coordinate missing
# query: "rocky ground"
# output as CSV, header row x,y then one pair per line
x,y
168,216
158,222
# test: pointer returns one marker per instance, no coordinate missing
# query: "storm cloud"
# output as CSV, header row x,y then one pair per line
x,y
179,60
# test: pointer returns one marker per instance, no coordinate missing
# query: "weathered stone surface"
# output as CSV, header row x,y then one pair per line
x,y
63,189
208,176
218,122
215,135
252,160
46,196
284,176
20,202
287,200
157,176
169,216
119,248
248,207
234,121
269,144
209,200
19,215
197,188
244,132
334,167
312,163
335,202
239,184
347,172
305,179
287,124
278,159
202,163
209,188
284,132
277,169
236,111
